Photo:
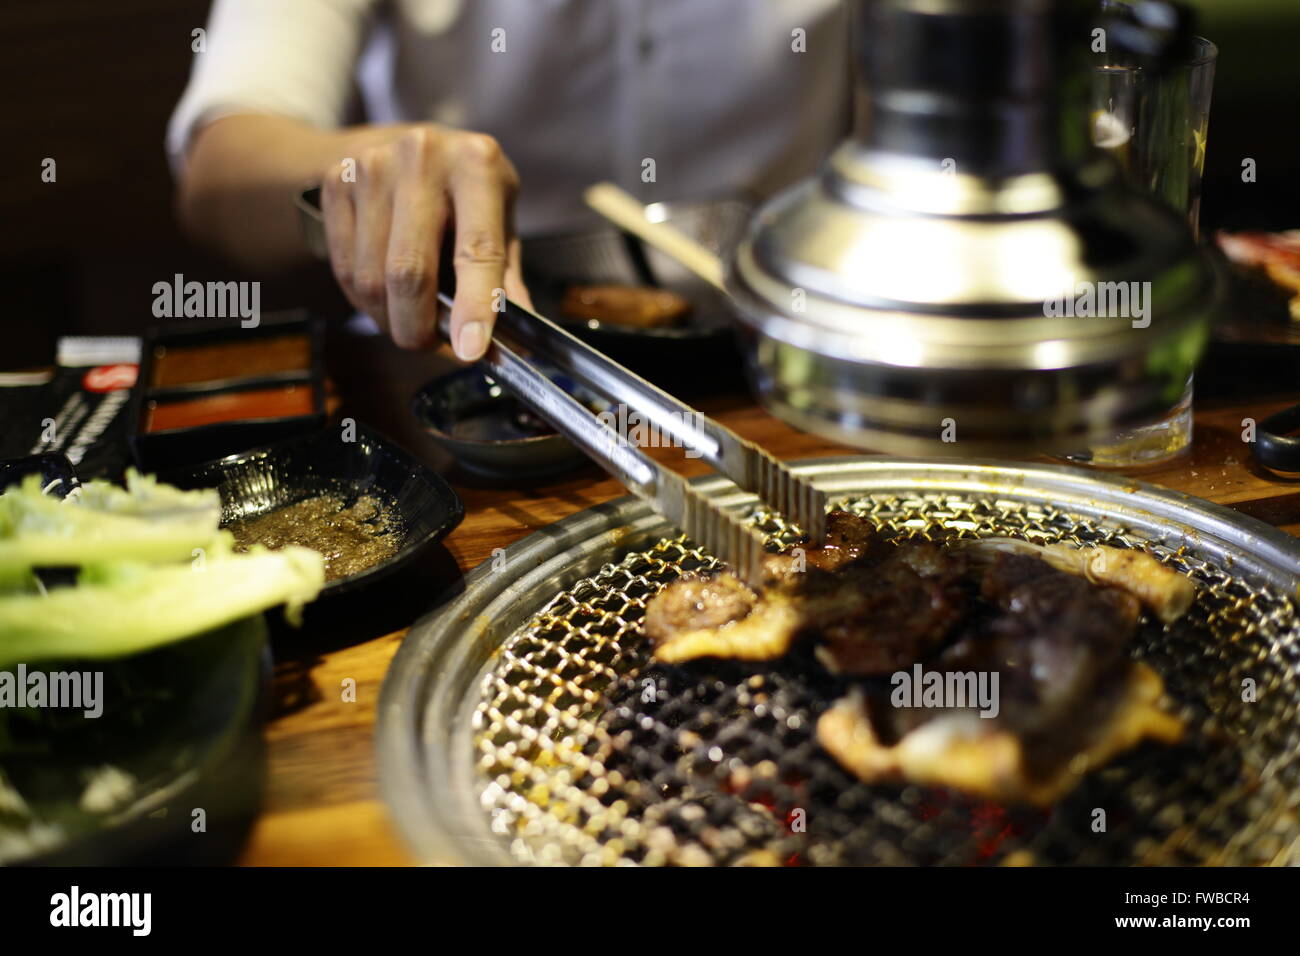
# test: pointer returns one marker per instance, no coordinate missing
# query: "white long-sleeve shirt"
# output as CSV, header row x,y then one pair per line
x,y
723,95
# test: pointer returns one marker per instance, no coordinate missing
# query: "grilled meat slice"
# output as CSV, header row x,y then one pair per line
x,y
718,616
904,608
849,538
698,602
878,606
1069,698
962,750
1161,589
632,306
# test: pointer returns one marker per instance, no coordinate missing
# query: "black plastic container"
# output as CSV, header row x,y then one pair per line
x,y
174,447
424,508
52,466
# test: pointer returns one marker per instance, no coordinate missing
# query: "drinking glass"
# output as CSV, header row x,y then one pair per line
x,y
1155,125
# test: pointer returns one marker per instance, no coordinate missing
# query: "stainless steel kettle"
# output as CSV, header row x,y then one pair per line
x,y
917,295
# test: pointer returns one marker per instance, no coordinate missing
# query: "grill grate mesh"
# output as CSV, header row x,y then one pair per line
x,y
592,753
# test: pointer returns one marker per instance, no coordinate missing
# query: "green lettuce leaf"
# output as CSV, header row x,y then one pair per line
x,y
125,608
146,521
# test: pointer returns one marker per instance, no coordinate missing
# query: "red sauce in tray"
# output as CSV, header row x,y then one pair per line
x,y
282,402
265,355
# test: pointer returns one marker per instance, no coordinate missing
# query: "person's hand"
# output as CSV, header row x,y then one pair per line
x,y
385,226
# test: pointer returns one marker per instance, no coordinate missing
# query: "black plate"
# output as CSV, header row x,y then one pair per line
x,y
184,722
253,483
51,466
608,255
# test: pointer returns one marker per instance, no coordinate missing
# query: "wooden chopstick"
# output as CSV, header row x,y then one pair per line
x,y
626,211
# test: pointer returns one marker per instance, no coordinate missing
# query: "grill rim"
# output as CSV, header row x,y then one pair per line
x,y
424,733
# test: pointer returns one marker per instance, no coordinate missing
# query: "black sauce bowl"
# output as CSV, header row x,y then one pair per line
x,y
424,508
52,466
505,440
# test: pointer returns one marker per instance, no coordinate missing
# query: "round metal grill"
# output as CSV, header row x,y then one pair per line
x,y
589,752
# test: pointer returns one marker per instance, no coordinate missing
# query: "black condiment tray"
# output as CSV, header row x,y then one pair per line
x,y
183,446
187,333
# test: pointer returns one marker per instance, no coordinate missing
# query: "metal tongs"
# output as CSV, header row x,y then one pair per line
x,y
719,531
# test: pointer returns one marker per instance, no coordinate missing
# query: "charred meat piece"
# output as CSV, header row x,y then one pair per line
x,y
1068,696
1054,637
633,306
1161,589
962,750
905,607
1051,638
877,606
719,616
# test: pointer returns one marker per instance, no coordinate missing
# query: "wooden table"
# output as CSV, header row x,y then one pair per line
x,y
322,801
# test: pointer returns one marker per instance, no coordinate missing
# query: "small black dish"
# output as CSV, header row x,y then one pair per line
x,y
705,339
488,431
424,507
188,445
1276,445
52,466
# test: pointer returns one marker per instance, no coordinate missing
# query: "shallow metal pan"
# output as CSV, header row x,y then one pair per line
x,y
491,707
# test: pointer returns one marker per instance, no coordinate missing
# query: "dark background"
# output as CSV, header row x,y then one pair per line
x,y
91,83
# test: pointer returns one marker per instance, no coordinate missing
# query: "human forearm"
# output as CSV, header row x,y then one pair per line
x,y
236,194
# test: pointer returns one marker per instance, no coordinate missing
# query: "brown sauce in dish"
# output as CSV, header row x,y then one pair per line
x,y
267,355
351,539
287,401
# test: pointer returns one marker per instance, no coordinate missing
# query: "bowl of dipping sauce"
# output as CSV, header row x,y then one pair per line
x,y
490,432
367,505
